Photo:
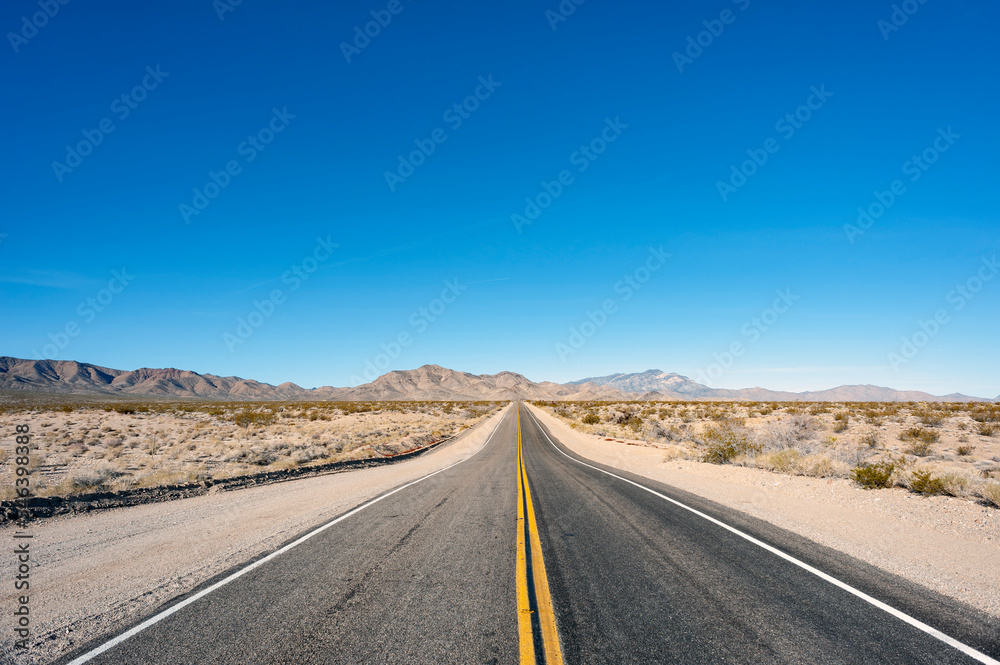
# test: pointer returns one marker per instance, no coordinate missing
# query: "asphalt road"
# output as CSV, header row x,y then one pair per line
x,y
427,575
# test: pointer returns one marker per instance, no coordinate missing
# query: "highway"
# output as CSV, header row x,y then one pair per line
x,y
525,553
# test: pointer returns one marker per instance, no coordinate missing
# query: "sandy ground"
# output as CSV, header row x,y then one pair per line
x,y
86,448
947,544
956,443
92,573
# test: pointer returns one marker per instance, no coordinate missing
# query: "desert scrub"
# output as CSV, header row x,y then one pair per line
x,y
919,440
991,492
91,479
922,482
245,419
986,429
956,484
725,441
591,418
871,439
787,433
874,476
787,461
841,421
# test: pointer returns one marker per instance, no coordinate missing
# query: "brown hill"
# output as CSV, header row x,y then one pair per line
x,y
430,382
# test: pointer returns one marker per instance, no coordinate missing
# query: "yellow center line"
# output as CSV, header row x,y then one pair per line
x,y
525,640
543,599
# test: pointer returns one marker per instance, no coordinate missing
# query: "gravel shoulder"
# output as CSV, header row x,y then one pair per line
x,y
949,545
95,573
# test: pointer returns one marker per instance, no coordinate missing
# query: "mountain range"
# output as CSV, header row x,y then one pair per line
x,y
656,384
429,382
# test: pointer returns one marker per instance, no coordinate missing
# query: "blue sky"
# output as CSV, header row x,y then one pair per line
x,y
641,137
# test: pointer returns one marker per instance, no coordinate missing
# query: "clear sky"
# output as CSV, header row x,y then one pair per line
x,y
214,154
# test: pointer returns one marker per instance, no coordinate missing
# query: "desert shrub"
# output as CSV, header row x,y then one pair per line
x,y
918,448
619,417
920,440
955,484
871,439
725,441
856,455
89,479
308,455
919,434
820,466
986,414
786,460
874,476
786,433
591,419
245,419
255,456
634,423
991,492
986,429
965,450
873,417
653,430
801,425
841,421
931,420
923,483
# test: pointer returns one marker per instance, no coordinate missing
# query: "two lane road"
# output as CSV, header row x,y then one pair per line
x,y
525,553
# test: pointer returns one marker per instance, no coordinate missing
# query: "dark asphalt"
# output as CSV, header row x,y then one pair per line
x,y
636,579
424,576
428,576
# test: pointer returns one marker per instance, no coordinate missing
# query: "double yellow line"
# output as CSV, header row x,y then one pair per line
x,y
527,537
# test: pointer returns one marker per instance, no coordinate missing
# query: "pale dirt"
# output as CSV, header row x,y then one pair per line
x,y
98,572
93,449
946,544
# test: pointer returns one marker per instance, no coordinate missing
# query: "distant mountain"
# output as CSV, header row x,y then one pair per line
x,y
436,382
69,376
673,386
430,382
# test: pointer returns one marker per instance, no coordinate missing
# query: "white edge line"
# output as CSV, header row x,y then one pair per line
x,y
260,562
920,625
